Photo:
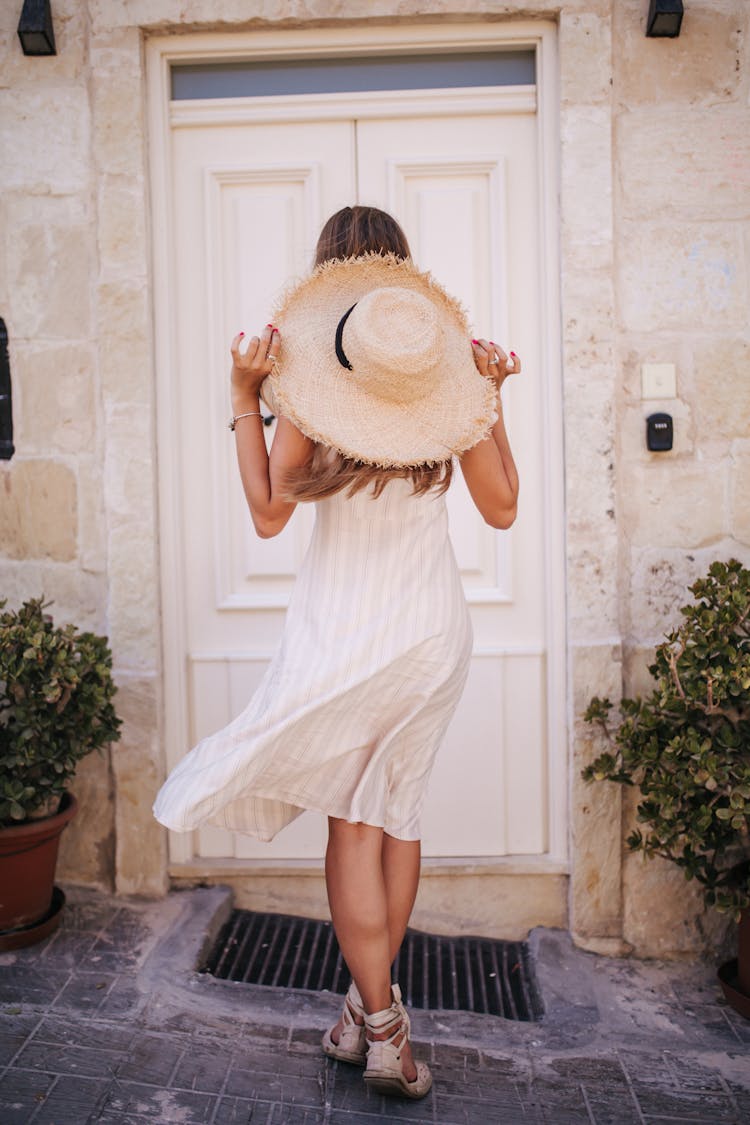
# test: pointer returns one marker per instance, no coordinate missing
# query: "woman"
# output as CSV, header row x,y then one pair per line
x,y
376,387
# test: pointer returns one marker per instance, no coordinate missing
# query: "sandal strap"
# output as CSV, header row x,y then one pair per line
x,y
394,1019
354,1000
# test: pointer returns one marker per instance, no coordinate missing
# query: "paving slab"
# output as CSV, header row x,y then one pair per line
x,y
109,1021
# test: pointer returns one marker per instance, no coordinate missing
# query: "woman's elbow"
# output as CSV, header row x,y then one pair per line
x,y
501,519
267,528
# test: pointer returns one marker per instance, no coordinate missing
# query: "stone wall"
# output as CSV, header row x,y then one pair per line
x,y
654,235
681,136
77,508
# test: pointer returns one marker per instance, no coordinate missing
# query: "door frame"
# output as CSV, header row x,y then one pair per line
x,y
161,53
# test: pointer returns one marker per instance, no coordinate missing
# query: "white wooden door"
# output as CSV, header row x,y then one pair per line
x,y
248,204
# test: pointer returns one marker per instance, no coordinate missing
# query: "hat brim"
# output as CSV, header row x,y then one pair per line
x,y
317,393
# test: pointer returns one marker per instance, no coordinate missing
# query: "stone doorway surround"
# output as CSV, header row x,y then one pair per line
x,y
118,41
477,890
95,105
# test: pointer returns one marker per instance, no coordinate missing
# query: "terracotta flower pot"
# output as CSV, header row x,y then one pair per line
x,y
28,856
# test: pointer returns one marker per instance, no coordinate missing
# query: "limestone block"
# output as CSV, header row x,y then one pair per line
x,y
283,893
589,459
136,766
44,136
718,385
38,517
593,601
133,594
130,467
585,47
631,431
122,308
636,678
703,65
675,276
92,526
119,125
586,174
48,209
116,49
674,503
50,265
659,581
740,483
496,905
595,670
121,227
57,411
125,357
663,913
595,904
588,312
110,14
77,598
709,160
491,905
126,369
87,847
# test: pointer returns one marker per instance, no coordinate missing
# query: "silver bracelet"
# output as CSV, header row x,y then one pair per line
x,y
250,414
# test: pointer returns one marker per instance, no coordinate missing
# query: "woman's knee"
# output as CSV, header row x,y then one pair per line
x,y
354,834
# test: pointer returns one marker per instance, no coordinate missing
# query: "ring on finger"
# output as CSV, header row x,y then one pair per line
x,y
495,360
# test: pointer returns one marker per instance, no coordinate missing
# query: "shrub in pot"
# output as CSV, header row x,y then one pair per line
x,y
687,746
56,692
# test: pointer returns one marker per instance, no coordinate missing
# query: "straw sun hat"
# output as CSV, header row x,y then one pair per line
x,y
376,362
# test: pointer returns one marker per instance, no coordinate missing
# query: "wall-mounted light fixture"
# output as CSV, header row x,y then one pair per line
x,y
664,19
35,28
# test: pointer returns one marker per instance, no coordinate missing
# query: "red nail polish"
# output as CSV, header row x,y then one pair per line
x,y
513,354
475,341
242,333
275,330
269,326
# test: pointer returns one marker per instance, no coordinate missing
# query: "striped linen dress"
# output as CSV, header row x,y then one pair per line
x,y
353,707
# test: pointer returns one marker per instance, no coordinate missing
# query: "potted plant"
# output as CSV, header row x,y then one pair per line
x,y
56,693
687,746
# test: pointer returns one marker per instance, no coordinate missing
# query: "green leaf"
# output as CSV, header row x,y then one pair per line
x,y
56,692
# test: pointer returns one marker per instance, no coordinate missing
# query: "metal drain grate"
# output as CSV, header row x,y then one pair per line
x,y
461,974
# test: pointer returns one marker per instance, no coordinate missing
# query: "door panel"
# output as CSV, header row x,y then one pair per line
x,y
248,209
465,190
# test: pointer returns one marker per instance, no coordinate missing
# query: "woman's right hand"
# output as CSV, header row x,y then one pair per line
x,y
250,368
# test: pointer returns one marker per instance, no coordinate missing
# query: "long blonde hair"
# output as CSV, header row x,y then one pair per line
x,y
348,233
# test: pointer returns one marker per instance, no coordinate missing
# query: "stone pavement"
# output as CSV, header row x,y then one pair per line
x,y
108,1022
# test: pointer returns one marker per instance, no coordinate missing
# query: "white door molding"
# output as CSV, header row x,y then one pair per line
x,y
161,53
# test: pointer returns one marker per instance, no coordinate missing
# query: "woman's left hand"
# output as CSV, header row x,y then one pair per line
x,y
493,362
250,368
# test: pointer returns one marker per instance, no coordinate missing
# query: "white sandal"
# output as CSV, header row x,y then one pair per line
x,y
352,1045
385,1067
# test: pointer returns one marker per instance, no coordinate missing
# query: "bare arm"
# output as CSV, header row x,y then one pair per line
x,y
263,475
489,469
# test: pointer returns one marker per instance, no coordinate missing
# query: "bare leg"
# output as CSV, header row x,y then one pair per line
x,y
359,909
401,862
371,879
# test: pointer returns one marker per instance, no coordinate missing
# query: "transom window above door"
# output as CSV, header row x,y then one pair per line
x,y
360,74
